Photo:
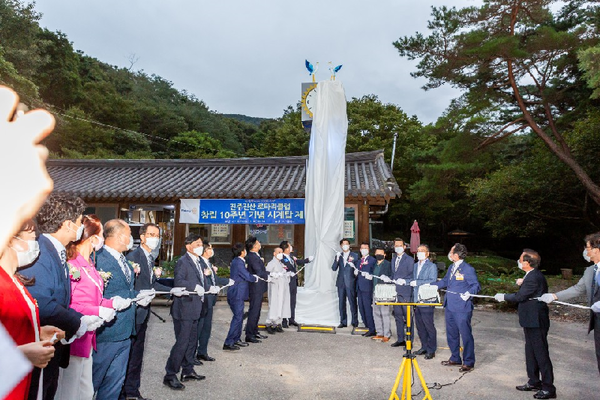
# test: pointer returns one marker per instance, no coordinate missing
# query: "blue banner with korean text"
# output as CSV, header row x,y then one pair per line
x,y
241,211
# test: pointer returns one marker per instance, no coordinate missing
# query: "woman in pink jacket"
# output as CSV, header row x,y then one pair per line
x,y
87,287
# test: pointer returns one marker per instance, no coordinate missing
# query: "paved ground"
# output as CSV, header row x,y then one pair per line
x,y
295,365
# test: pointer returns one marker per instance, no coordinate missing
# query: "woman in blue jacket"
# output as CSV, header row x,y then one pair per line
x,y
236,295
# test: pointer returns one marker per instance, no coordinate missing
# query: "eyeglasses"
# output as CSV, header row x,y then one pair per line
x,y
154,235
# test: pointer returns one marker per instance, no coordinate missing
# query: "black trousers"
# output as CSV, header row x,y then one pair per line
x,y
426,328
349,293
256,298
537,358
184,350
204,330
131,387
597,339
293,293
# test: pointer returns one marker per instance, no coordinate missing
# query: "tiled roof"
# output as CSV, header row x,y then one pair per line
x,y
367,177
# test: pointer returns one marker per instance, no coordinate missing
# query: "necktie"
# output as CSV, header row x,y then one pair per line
x,y
596,281
63,260
125,268
212,274
201,272
397,263
150,265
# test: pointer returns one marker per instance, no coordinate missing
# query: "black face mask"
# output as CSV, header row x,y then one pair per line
x,y
379,257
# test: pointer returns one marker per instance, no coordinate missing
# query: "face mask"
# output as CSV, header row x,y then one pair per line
x,y
519,264
152,242
78,232
199,250
450,257
130,244
421,255
379,257
279,256
399,250
585,256
364,252
291,250
28,256
345,247
100,243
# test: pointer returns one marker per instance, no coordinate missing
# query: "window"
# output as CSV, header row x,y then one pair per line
x,y
215,233
350,224
271,234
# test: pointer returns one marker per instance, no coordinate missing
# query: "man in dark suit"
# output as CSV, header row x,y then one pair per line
x,y
402,274
292,263
535,320
144,280
256,266
346,283
114,339
461,282
589,284
59,220
186,312
425,272
211,287
364,285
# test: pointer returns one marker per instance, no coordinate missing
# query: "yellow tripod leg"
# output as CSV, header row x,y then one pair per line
x,y
394,395
423,384
408,379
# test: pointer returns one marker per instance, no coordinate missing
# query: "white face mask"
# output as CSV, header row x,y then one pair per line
x,y
152,242
78,232
100,243
585,256
130,244
519,264
279,256
364,252
399,250
199,250
28,256
345,247
421,255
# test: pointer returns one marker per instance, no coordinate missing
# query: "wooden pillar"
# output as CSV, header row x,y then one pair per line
x,y
363,223
299,240
238,233
178,231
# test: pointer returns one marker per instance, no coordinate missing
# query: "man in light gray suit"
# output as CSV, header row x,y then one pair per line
x,y
588,284
425,272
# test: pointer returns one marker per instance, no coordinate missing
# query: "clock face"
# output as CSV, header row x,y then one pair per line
x,y
309,98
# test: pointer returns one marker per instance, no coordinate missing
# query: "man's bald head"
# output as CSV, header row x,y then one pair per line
x,y
117,233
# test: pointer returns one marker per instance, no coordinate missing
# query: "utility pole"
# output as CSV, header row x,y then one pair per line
x,y
393,152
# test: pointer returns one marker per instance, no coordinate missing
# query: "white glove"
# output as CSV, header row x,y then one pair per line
x,y
369,277
465,296
231,282
385,278
148,292
499,297
596,307
337,256
179,291
547,298
310,258
269,279
92,322
351,264
107,314
400,281
519,281
200,290
274,274
144,301
364,273
213,290
256,276
413,283
355,272
120,303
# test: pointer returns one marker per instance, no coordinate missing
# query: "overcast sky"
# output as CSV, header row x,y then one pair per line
x,y
247,57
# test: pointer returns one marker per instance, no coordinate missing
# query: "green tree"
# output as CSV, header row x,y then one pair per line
x,y
194,144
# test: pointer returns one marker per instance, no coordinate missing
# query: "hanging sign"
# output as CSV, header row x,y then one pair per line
x,y
242,211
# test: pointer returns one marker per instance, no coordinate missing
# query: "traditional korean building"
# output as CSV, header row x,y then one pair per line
x,y
141,191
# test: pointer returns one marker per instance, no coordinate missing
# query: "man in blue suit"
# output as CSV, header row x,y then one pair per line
x,y
346,283
186,312
402,274
114,339
144,280
59,220
461,282
364,285
256,266
292,264
425,272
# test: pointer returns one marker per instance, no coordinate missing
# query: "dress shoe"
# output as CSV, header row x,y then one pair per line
x,y
241,344
544,394
197,361
448,363
385,339
173,383
285,324
369,334
279,328
136,398
270,330
466,368
529,388
421,351
232,347
342,326
398,344
205,357
193,376
429,356
377,337
252,340
294,323
355,325
259,336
